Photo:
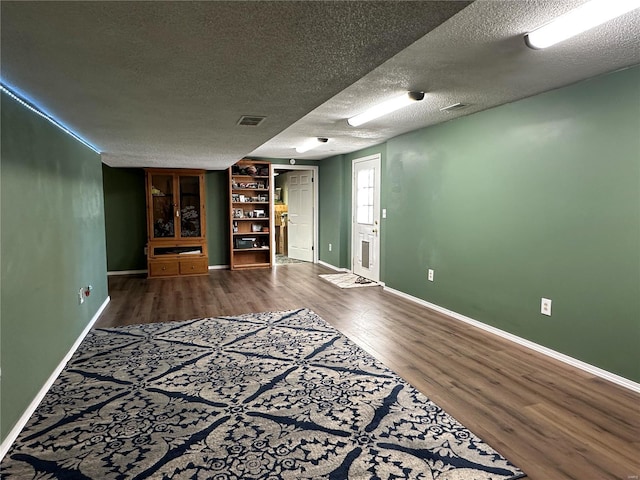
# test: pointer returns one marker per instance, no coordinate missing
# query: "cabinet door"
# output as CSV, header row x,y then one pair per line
x,y
190,224
163,207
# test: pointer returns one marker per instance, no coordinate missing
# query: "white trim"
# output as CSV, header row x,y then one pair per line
x,y
337,269
218,267
125,272
574,362
15,431
137,272
316,205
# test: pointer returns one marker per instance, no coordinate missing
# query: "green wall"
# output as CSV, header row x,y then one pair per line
x,y
125,218
125,215
217,206
332,213
537,198
52,243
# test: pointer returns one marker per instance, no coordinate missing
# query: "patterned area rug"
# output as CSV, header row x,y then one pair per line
x,y
348,280
262,396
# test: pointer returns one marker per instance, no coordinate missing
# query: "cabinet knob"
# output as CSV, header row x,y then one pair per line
x,y
164,268
192,267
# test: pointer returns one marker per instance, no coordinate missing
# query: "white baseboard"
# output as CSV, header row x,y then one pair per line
x,y
136,272
126,272
15,431
337,269
599,372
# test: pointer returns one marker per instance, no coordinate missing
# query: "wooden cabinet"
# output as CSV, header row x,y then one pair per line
x,y
251,225
176,223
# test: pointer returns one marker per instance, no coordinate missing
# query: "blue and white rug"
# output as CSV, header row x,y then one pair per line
x,y
263,396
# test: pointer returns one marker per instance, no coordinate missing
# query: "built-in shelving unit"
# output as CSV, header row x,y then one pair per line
x,y
251,225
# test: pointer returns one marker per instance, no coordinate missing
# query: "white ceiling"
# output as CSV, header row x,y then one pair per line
x,y
164,83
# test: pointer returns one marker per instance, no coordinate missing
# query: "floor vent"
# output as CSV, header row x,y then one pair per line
x,y
454,107
250,120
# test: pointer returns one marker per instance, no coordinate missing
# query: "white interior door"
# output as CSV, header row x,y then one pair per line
x,y
365,251
300,224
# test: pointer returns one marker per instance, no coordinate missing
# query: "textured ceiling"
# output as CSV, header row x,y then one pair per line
x,y
479,58
164,83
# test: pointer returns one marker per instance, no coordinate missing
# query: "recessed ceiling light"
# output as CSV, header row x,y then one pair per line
x,y
578,20
386,107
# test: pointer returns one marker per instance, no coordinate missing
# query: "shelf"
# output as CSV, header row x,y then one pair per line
x,y
253,265
245,234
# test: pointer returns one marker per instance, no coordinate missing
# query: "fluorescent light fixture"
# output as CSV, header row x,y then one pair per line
x,y
581,19
311,143
37,111
386,107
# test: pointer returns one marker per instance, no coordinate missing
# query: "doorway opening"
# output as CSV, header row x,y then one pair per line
x,y
295,214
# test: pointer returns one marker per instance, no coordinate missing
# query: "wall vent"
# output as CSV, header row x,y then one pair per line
x,y
454,106
250,120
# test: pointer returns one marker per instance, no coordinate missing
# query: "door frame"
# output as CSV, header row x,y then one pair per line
x,y
378,157
315,170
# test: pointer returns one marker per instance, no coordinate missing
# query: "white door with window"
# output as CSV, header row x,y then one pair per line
x,y
366,218
300,215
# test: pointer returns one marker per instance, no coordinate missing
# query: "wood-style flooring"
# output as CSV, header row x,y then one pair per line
x,y
553,421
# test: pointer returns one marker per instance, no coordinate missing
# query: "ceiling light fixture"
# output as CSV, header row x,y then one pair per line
x,y
311,143
386,107
27,104
581,19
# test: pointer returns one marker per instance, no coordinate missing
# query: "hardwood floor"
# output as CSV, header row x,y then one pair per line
x,y
553,421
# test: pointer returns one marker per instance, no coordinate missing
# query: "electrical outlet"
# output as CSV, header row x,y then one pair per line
x,y
545,306
430,275
330,247
384,213
81,296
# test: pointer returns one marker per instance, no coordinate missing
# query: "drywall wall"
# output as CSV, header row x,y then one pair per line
x,y
125,218
217,205
538,198
125,214
52,244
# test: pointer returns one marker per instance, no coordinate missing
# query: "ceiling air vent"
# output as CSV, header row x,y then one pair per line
x,y
250,120
453,107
